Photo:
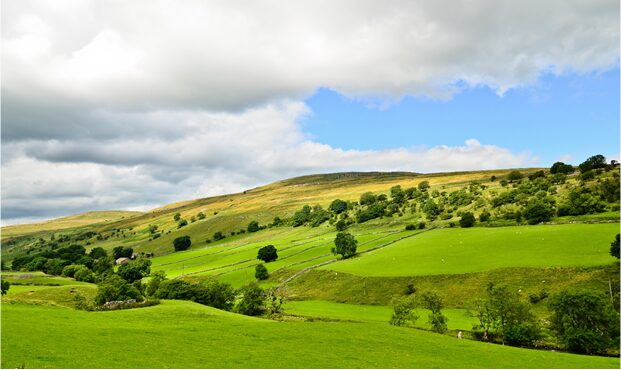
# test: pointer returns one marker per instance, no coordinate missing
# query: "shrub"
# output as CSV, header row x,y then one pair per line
x,y
182,243
69,271
267,254
423,186
584,321
538,211
467,220
154,283
177,216
514,176
562,168
484,216
252,300
253,226
98,252
218,236
4,286
403,313
410,227
183,222
614,247
344,244
84,274
200,216
421,225
260,272
338,206
341,225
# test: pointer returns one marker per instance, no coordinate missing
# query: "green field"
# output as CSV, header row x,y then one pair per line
x,y
455,251
187,335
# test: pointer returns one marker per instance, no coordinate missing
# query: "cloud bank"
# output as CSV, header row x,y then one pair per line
x,y
123,104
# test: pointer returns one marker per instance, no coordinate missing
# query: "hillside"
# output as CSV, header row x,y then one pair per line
x,y
538,234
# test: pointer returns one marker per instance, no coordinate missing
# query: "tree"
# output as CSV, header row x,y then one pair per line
x,y
84,274
177,216
594,162
98,252
252,300
560,167
218,235
467,219
397,194
200,216
154,283
433,302
367,199
182,243
260,272
253,226
301,217
135,270
277,221
614,247
183,222
423,186
341,225
4,286
267,254
584,321
514,175
152,229
538,211
484,216
120,252
338,206
403,313
344,244
114,288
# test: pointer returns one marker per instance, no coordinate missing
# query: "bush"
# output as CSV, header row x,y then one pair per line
x,y
120,252
135,270
338,206
562,168
253,226
467,219
182,243
614,247
514,176
410,227
260,272
585,321
403,313
4,286
423,186
344,244
537,212
200,216
114,288
252,300
267,254
421,225
154,283
341,225
484,216
218,236
98,252
523,334
177,216
69,271
183,222
85,275
367,198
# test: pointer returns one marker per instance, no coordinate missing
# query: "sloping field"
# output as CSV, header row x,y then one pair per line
x,y
187,335
457,250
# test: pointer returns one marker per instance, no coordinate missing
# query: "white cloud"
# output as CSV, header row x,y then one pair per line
x,y
126,104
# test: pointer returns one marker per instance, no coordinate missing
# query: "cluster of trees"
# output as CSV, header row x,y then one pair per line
x,y
308,216
404,310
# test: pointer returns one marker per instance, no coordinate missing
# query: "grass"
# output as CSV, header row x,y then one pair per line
x,y
458,319
37,278
187,335
456,250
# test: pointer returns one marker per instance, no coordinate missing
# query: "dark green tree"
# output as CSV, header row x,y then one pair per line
x,y
594,162
120,252
182,243
260,272
514,175
218,235
154,283
584,321
345,244
341,225
200,216
253,226
614,247
267,254
467,219
338,206
423,186
4,286
538,211
177,216
183,222
98,252
114,288
560,167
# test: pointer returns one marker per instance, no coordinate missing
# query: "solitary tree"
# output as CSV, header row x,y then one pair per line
x,y
267,253
260,272
467,219
177,216
515,175
614,247
596,161
403,313
344,244
560,167
182,243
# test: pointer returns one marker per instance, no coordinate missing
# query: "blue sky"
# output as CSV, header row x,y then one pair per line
x,y
571,114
